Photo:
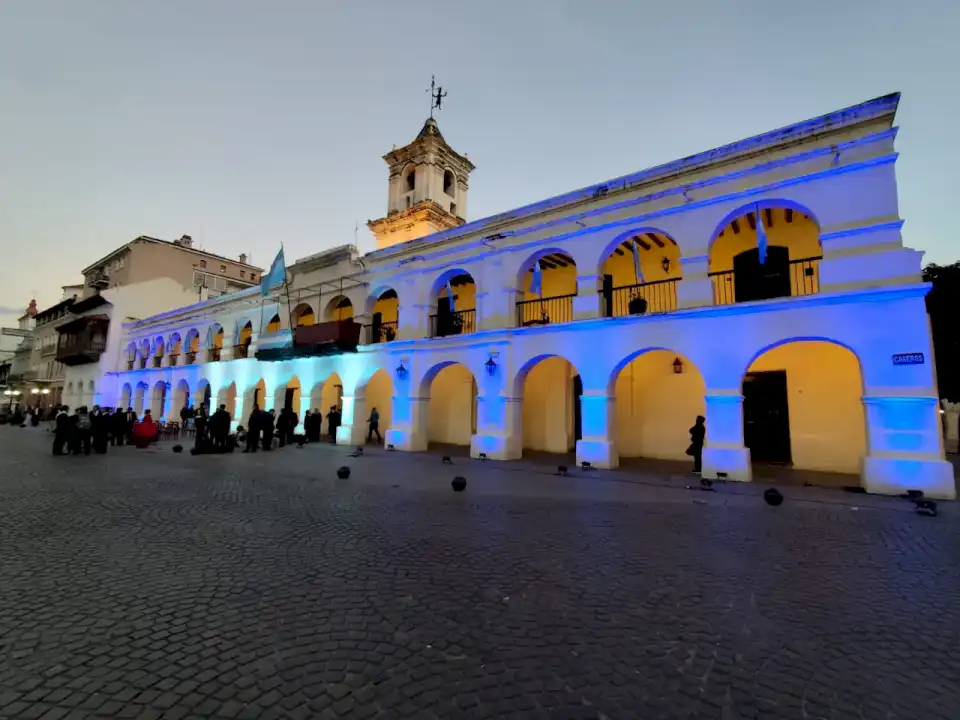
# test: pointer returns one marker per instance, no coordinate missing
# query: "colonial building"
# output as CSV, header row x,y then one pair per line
x,y
763,284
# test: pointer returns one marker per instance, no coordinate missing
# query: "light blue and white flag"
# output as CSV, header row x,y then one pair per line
x,y
277,275
450,296
638,273
761,238
536,282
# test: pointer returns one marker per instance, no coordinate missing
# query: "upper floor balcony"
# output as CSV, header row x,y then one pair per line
x,y
82,340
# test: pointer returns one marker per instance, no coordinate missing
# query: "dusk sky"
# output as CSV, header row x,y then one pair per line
x,y
246,123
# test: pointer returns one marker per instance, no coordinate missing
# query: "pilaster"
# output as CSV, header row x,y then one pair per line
x,y
499,428
724,450
353,429
695,288
588,302
408,425
597,446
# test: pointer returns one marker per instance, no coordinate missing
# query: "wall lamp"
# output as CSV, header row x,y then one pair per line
x,y
401,371
665,264
491,366
677,366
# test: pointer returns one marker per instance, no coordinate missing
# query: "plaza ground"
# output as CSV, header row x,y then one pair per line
x,y
147,584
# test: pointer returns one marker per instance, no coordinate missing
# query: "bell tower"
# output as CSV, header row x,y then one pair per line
x,y
427,190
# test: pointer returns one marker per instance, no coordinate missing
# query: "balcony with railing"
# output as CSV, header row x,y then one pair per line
x,y
241,351
82,341
459,322
156,361
793,278
545,311
640,299
213,354
190,357
173,359
380,333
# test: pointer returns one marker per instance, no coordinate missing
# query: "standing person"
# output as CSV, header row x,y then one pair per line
x,y
283,426
332,424
99,428
118,427
697,435
200,422
131,422
312,427
292,421
220,427
61,430
374,422
253,429
82,432
266,430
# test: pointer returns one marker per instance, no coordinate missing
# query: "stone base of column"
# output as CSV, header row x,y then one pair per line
x,y
735,462
351,435
495,447
405,440
894,476
598,453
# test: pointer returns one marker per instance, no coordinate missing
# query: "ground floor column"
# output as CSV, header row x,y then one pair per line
x,y
499,428
905,448
167,411
353,421
305,407
724,451
597,445
408,424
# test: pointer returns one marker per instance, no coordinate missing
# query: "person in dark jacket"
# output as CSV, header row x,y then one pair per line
x,y
697,435
333,422
82,432
220,427
253,429
201,423
118,427
61,430
131,422
283,425
99,429
266,429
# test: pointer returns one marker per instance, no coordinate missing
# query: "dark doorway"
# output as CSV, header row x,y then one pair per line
x,y
206,399
288,398
577,417
377,324
753,281
766,420
445,321
607,293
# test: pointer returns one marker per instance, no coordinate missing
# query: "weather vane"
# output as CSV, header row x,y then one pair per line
x,y
436,95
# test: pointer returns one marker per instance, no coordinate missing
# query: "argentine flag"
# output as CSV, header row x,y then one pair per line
x,y
277,275
761,238
536,282
636,263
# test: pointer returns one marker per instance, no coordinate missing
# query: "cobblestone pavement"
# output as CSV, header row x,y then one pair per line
x,y
145,584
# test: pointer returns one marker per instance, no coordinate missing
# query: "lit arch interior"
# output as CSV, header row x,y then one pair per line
x,y
551,388
452,407
656,282
274,325
339,308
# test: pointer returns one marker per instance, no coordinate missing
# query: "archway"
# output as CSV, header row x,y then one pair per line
x,y
378,393
274,325
455,297
658,395
131,356
139,399
302,315
181,399
158,398
214,342
803,406
546,286
288,396
126,396
174,348
550,387
451,417
192,345
338,308
144,353
244,338
158,347
201,397
384,316
639,274
765,250
326,395
228,398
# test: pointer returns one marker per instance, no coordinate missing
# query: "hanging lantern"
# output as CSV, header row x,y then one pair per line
x,y
677,366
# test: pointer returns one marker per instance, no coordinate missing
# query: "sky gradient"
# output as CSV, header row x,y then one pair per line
x,y
246,123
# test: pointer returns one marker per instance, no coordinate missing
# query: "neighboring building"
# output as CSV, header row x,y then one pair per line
x,y
20,339
89,343
763,284
44,379
146,258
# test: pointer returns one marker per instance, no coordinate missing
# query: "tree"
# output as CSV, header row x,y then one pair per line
x,y
943,306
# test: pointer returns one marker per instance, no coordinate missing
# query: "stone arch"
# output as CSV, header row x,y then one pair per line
x,y
159,344
549,387
797,413
743,269
274,325
140,399
131,352
449,389
202,396
627,290
330,394
181,399
449,182
302,315
339,307
144,348
228,397
174,343
215,336
553,303
383,309
658,394
158,399
192,342
126,396
377,392
459,315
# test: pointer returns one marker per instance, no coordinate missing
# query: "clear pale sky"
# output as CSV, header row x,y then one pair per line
x,y
245,123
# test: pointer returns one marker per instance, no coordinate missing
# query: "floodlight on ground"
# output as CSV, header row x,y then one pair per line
x,y
459,484
343,472
773,497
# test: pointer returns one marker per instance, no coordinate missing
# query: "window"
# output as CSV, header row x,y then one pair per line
x,y
453,208
223,268
241,274
411,180
448,182
203,263
253,277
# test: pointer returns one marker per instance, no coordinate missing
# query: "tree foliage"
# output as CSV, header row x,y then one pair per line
x,y
943,306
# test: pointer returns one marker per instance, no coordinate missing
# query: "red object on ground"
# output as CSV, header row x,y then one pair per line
x,y
144,432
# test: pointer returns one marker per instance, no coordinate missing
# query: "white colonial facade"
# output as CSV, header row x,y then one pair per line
x,y
813,350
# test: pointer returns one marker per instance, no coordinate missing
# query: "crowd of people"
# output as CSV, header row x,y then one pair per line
x,y
84,430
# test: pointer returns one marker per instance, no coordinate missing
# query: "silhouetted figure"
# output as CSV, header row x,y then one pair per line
x,y
267,429
374,423
697,434
333,422
99,430
201,423
220,427
131,422
82,430
118,427
253,429
61,430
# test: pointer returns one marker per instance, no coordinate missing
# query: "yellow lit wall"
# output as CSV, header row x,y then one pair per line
x,y
388,309
304,316
380,396
655,407
331,394
548,413
339,313
825,404
452,409
465,297
246,333
195,343
651,265
801,237
274,324
218,339
556,283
